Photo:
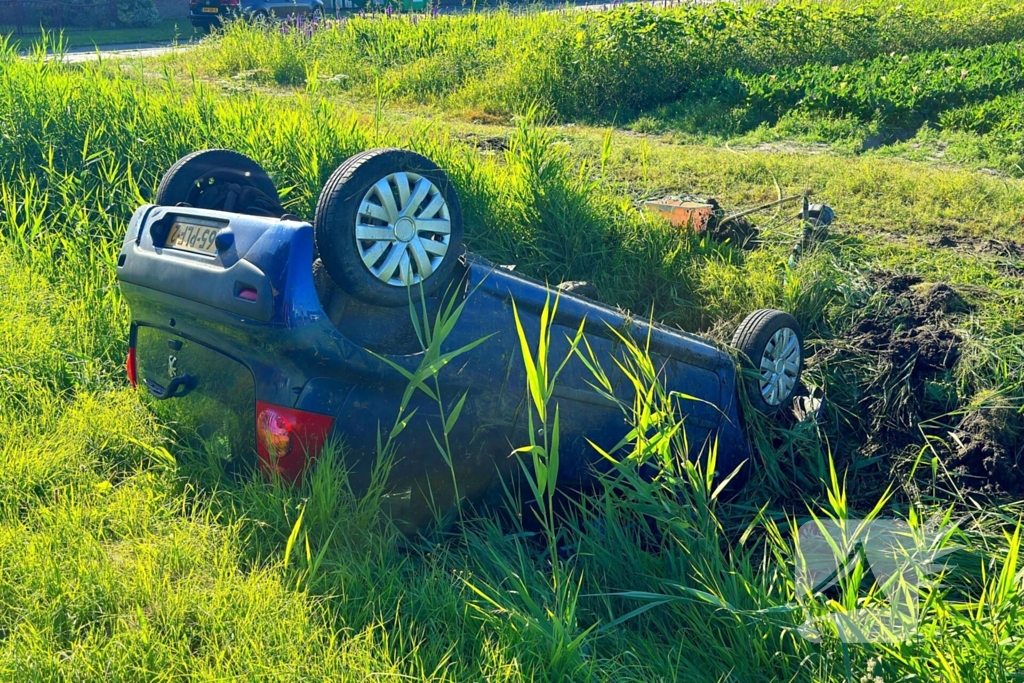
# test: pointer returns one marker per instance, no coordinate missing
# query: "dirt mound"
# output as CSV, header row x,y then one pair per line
x,y
911,332
940,299
909,303
906,332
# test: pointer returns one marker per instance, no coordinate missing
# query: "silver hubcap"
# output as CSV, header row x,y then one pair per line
x,y
403,229
780,363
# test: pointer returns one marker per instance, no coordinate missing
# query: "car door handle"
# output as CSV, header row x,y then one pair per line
x,y
178,386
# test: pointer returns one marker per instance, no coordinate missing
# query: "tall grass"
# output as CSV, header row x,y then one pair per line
x,y
122,562
104,137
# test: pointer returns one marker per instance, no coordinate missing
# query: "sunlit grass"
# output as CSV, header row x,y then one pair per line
x,y
852,76
122,562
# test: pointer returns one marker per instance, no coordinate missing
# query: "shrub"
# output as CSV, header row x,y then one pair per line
x,y
137,12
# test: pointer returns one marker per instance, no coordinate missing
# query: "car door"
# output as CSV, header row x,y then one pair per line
x,y
281,9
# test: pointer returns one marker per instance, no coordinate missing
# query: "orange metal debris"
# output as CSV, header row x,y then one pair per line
x,y
683,212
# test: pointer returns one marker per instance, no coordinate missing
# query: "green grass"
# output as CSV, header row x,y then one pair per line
x,y
128,556
603,64
166,30
853,76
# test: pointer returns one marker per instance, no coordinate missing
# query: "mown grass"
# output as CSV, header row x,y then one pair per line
x,y
122,562
854,76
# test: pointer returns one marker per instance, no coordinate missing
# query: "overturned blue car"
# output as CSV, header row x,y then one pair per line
x,y
265,335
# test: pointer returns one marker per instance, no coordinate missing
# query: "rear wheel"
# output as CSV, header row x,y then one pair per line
x,y
220,179
771,346
388,226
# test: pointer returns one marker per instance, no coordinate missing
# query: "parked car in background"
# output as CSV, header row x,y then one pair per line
x,y
206,14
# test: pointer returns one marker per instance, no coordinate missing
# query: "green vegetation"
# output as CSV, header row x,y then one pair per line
x,y
164,30
768,71
126,555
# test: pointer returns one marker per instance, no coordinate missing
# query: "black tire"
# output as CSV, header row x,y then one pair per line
x,y
337,214
220,179
317,15
754,340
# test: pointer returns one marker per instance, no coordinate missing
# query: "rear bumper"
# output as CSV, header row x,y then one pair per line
x,y
200,18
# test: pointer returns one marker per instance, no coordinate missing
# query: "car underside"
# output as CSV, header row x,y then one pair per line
x,y
266,336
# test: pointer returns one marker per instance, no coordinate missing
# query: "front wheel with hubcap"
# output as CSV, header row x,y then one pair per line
x,y
388,226
771,345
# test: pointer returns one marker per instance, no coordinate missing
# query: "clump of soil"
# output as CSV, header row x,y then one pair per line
x,y
487,143
941,299
907,335
987,451
912,336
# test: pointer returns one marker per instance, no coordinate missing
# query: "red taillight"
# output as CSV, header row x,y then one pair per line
x,y
131,368
287,439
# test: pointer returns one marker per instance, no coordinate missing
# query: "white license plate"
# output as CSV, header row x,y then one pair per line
x,y
192,237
